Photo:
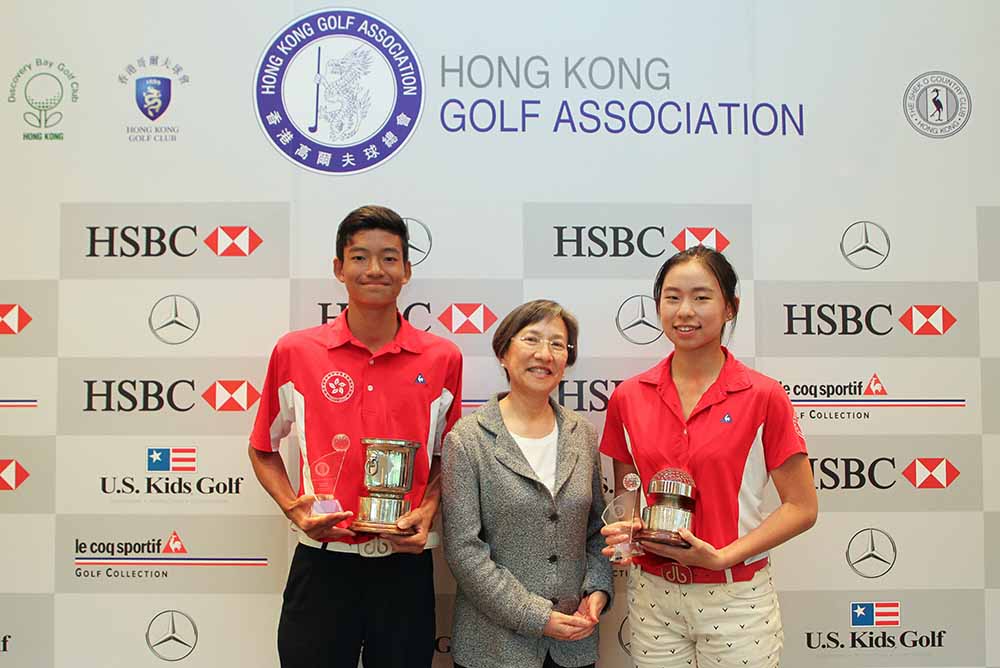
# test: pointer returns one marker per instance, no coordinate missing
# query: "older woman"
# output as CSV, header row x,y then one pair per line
x,y
522,510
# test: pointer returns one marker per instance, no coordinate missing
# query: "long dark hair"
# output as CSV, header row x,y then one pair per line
x,y
716,263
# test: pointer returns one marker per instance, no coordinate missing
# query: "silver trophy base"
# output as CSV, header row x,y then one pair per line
x,y
663,525
378,514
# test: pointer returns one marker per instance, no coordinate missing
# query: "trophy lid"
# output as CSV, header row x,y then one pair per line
x,y
391,442
672,481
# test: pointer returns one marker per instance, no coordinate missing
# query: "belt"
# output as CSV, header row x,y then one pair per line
x,y
376,547
681,574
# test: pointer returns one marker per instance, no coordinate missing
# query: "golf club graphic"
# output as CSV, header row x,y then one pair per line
x,y
315,125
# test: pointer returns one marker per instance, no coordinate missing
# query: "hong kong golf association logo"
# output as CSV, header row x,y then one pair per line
x,y
338,91
937,104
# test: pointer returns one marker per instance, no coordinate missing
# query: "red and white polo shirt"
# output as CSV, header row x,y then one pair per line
x,y
324,382
742,427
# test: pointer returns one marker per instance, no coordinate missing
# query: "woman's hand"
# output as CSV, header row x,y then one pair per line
x,y
702,554
568,627
591,606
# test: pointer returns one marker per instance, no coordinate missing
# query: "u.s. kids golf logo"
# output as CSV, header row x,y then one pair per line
x,y
338,91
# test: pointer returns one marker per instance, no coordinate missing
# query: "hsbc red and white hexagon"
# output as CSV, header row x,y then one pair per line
x,y
231,395
13,318
927,319
690,237
12,475
930,473
468,318
233,240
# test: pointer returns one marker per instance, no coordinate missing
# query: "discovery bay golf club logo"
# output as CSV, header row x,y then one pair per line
x,y
46,88
338,91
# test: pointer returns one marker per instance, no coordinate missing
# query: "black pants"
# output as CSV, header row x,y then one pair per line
x,y
337,603
549,663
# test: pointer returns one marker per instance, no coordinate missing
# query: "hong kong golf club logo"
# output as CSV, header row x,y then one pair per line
x,y
338,91
152,81
937,104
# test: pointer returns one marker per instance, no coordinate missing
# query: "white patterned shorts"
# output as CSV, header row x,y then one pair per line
x,y
724,625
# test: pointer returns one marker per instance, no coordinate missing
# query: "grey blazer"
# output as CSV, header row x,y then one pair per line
x,y
515,549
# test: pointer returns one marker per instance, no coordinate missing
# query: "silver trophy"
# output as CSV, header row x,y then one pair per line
x,y
325,473
388,477
621,509
672,508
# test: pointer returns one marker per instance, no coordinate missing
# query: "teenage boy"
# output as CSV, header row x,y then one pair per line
x,y
366,374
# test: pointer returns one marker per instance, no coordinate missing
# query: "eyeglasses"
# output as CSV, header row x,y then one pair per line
x,y
557,346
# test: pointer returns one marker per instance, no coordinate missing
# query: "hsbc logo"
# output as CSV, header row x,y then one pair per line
x,y
587,395
854,473
12,475
710,237
467,318
927,320
851,473
622,241
182,241
930,473
231,395
13,318
457,318
151,395
837,319
853,320
233,241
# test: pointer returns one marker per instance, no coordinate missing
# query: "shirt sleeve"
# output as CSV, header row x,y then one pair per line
x,y
451,395
782,435
614,442
275,412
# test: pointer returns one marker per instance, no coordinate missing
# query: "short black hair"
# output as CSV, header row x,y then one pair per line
x,y
372,217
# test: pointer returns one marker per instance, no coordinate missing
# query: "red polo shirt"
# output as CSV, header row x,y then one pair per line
x,y
323,382
742,428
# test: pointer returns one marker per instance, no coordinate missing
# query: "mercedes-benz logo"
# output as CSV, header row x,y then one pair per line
x,y
171,635
865,244
625,636
420,240
174,319
636,320
871,553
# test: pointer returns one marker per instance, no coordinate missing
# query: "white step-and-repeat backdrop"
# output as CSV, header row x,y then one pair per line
x,y
173,174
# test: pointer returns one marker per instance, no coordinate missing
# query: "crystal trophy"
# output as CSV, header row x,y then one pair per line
x,y
326,474
623,509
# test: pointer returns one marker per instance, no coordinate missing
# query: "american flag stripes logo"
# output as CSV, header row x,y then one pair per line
x,y
870,614
171,460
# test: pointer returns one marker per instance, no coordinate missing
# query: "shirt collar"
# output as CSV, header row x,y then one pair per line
x,y
732,378
407,338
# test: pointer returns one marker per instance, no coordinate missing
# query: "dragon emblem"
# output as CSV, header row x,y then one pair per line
x,y
344,104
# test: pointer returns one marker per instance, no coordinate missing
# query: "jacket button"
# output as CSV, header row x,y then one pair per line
x,y
553,559
554,517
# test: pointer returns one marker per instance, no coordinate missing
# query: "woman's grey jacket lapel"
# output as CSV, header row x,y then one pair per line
x,y
509,453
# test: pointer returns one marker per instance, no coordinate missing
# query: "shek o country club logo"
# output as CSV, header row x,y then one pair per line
x,y
338,91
